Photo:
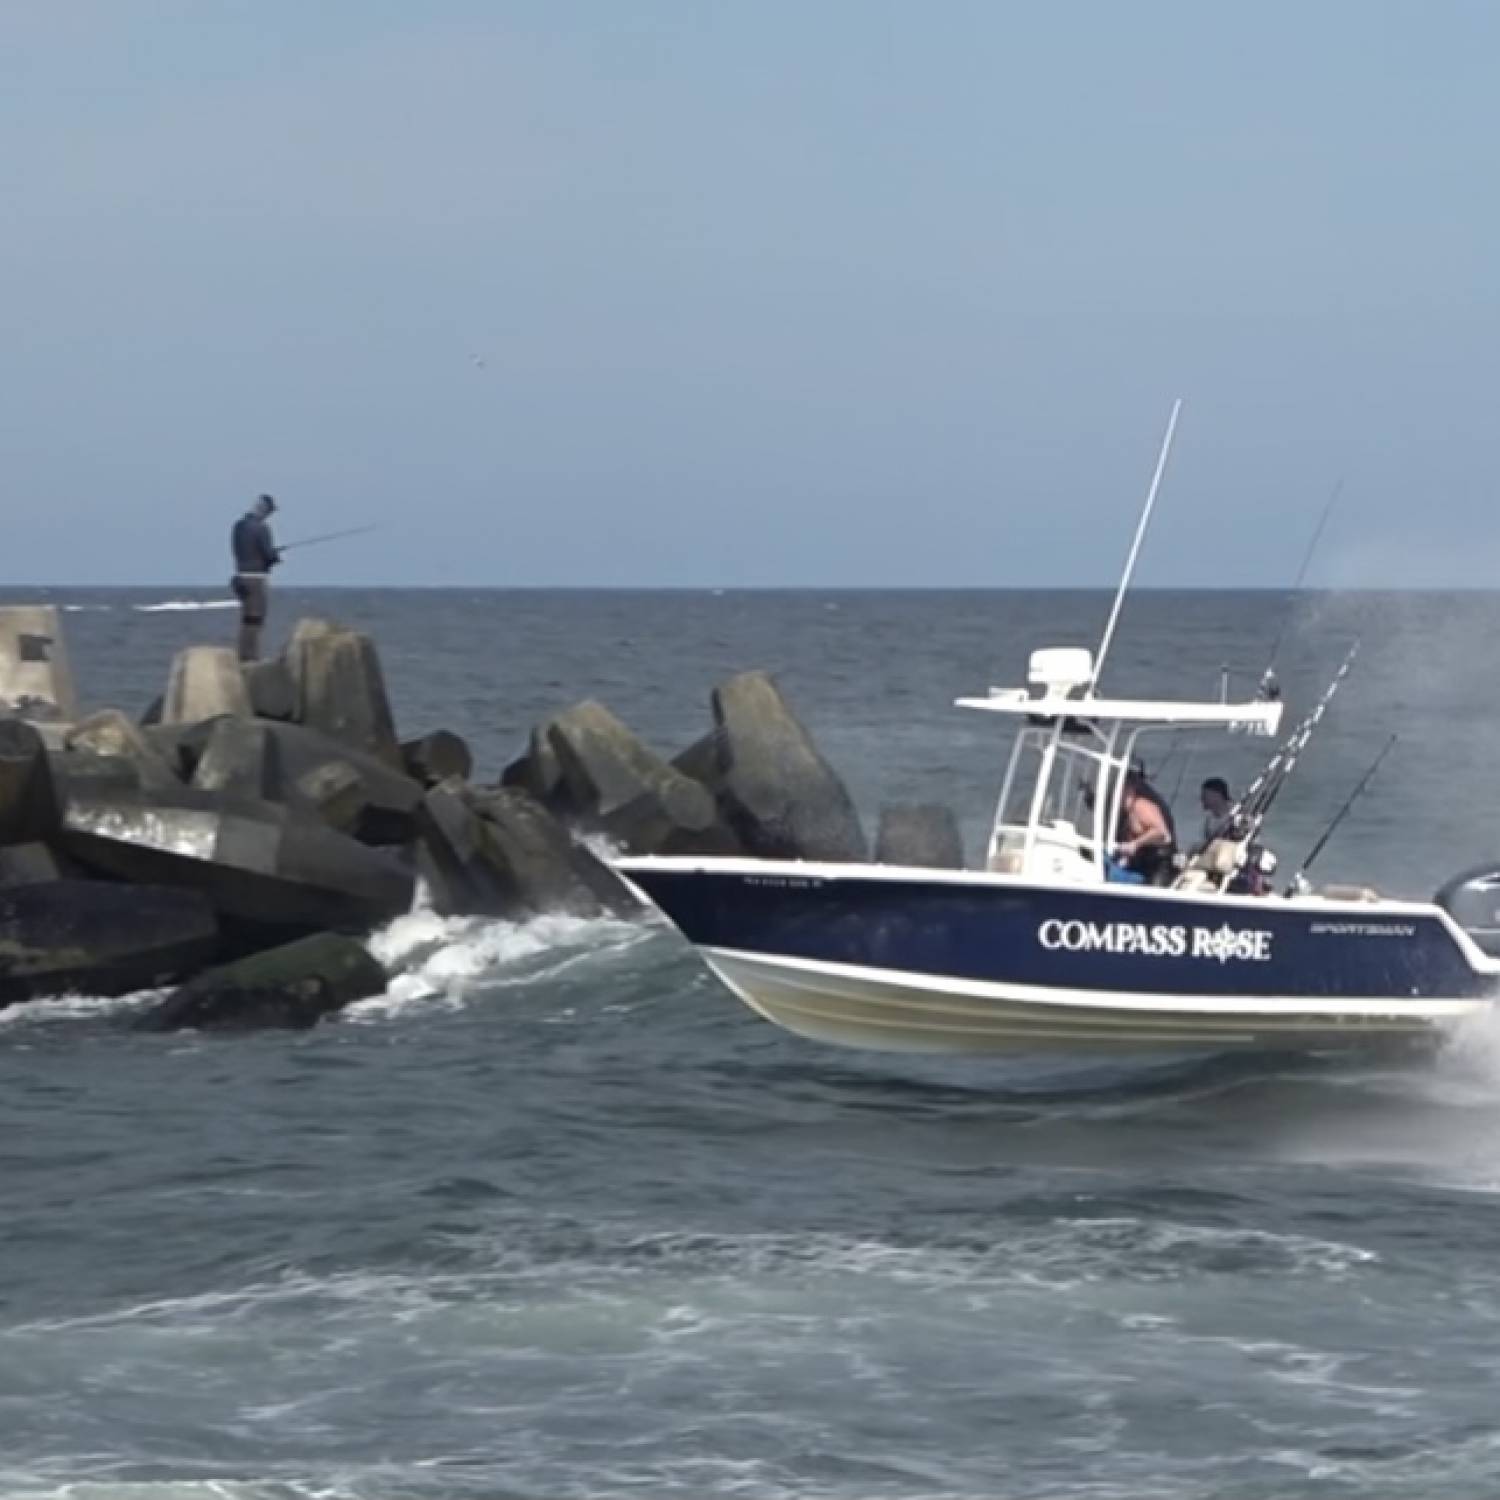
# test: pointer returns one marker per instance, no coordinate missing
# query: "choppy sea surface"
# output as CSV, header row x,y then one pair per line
x,y
557,1217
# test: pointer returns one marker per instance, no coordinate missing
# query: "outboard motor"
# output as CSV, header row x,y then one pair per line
x,y
1473,901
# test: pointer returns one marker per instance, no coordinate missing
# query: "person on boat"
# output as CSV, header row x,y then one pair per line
x,y
1147,840
1217,805
255,554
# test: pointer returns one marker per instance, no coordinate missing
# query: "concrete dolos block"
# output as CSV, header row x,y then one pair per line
x,y
611,780
206,681
92,937
783,800
437,756
295,986
29,803
501,854
241,759
919,834
36,681
311,773
340,688
114,736
254,861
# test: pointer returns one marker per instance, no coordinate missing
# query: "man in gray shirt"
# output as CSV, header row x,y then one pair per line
x,y
255,555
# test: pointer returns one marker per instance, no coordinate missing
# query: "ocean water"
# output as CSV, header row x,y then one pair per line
x,y
556,1216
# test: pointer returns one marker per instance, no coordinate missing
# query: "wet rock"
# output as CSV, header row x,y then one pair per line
x,y
256,862
29,864
778,794
180,745
340,688
924,834
93,937
291,986
702,761
318,776
242,759
502,854
273,694
29,803
452,859
206,682
536,865
387,799
616,784
335,793
79,774
111,734
437,756
36,681
538,772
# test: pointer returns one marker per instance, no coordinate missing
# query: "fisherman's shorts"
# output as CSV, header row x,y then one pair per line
x,y
254,595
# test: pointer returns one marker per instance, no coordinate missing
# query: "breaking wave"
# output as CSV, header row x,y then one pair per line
x,y
63,1008
432,961
173,606
443,960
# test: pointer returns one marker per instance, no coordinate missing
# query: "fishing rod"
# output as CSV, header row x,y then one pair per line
x,y
1269,687
1248,815
1338,817
1257,802
1135,546
327,536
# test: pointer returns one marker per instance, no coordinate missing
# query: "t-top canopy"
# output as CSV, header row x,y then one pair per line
x,y
1262,717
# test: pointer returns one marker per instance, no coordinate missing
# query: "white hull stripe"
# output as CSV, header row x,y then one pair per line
x,y
1208,1007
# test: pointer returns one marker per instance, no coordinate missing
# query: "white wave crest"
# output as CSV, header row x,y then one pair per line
x,y
443,960
75,1008
170,606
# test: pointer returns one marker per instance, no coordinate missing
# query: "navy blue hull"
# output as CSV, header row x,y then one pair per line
x,y
1140,942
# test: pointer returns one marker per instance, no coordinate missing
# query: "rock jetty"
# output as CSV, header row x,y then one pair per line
x,y
236,845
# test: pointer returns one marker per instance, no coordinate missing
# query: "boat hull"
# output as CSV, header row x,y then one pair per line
x,y
892,1012
965,962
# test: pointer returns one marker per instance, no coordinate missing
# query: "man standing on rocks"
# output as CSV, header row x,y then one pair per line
x,y
255,555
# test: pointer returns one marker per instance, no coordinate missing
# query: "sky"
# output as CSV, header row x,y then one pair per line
x,y
751,293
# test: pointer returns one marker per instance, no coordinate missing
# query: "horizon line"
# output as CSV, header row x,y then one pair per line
x,y
219,592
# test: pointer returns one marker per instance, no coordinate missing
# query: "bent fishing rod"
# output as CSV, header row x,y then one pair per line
x,y
1338,818
327,536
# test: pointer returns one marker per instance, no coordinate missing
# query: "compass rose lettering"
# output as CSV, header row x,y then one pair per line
x,y
1223,944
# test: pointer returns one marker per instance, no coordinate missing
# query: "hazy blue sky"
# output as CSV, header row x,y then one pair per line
x,y
834,292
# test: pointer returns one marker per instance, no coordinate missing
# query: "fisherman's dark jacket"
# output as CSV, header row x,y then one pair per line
x,y
254,550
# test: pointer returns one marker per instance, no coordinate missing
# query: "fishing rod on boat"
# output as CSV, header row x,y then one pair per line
x,y
1135,545
1250,812
1244,820
327,536
1295,883
1270,688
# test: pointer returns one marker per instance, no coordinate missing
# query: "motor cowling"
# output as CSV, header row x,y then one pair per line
x,y
1472,899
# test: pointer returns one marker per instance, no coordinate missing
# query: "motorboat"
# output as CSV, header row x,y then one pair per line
x,y
1052,945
